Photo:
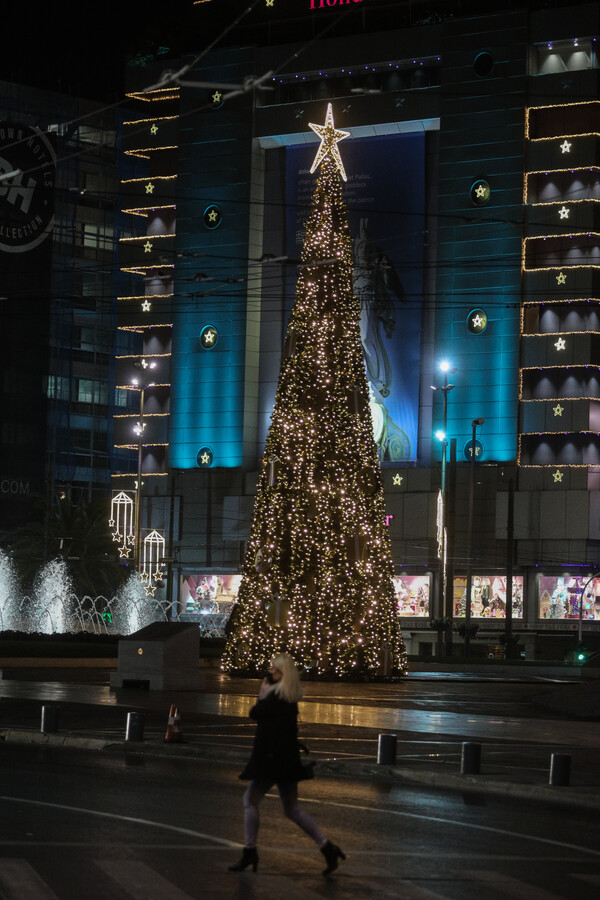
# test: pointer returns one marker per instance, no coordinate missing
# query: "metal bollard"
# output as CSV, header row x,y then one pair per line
x,y
135,726
386,750
470,759
49,722
560,769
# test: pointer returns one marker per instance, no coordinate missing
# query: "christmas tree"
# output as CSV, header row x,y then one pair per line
x,y
317,577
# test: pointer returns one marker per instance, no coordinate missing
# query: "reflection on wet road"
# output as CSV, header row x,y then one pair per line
x,y
506,728
497,712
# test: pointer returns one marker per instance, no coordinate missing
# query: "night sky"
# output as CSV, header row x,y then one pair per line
x,y
80,47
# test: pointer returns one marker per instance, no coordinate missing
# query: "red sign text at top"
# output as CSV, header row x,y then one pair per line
x,y
324,4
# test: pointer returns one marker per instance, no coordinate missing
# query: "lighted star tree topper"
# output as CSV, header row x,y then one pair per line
x,y
317,577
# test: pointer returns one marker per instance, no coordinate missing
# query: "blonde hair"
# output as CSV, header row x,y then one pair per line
x,y
289,687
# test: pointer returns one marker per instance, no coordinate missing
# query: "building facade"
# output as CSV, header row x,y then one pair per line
x,y
472,195
59,220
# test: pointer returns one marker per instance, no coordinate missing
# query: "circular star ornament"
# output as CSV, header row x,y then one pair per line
x,y
209,337
330,136
212,216
204,457
480,192
477,321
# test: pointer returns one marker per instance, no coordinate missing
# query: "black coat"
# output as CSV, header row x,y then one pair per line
x,y
275,755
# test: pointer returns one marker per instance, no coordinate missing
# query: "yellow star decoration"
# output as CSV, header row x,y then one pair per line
x,y
270,2
558,410
147,247
212,215
561,278
397,480
146,306
480,190
558,475
216,97
329,142
154,128
205,459
124,552
209,337
149,187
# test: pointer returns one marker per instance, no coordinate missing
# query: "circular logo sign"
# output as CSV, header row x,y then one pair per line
x,y
27,183
468,451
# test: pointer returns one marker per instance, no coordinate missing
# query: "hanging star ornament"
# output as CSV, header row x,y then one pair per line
x,y
330,135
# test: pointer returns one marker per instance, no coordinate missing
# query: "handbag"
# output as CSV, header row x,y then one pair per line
x,y
307,766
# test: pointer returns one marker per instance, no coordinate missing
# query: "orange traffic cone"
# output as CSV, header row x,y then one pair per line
x,y
177,732
170,735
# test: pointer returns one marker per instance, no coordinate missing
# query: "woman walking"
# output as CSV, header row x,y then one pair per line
x,y
275,759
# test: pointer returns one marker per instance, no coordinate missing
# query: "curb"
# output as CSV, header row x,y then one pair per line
x,y
466,784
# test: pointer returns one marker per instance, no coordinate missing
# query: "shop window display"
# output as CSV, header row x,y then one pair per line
x,y
412,594
209,600
488,596
560,596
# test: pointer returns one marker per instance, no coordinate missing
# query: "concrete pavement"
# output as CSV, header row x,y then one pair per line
x,y
340,722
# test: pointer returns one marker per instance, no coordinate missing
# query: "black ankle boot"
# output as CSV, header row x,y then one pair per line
x,y
331,854
249,858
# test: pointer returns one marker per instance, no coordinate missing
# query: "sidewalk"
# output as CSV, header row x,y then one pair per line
x,y
342,733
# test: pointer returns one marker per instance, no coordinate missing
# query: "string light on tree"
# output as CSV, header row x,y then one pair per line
x,y
317,577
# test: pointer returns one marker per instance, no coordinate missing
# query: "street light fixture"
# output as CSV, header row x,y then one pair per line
x,y
474,425
143,365
441,435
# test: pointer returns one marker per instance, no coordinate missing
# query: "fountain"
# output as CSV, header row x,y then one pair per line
x,y
54,608
10,616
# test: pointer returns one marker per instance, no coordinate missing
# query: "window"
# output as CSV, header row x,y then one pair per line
x,y
58,387
89,391
564,56
94,236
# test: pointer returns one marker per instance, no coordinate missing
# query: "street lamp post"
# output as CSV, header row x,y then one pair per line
x,y
581,601
445,388
143,365
474,425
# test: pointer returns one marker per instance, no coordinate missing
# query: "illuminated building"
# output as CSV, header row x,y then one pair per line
x,y
473,201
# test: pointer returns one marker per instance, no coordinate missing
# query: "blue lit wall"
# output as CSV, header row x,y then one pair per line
x,y
479,246
208,381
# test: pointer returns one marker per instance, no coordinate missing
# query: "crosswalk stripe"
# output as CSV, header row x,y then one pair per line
x,y
514,887
141,881
19,881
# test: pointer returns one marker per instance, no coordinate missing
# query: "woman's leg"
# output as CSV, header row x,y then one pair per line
x,y
288,793
254,793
